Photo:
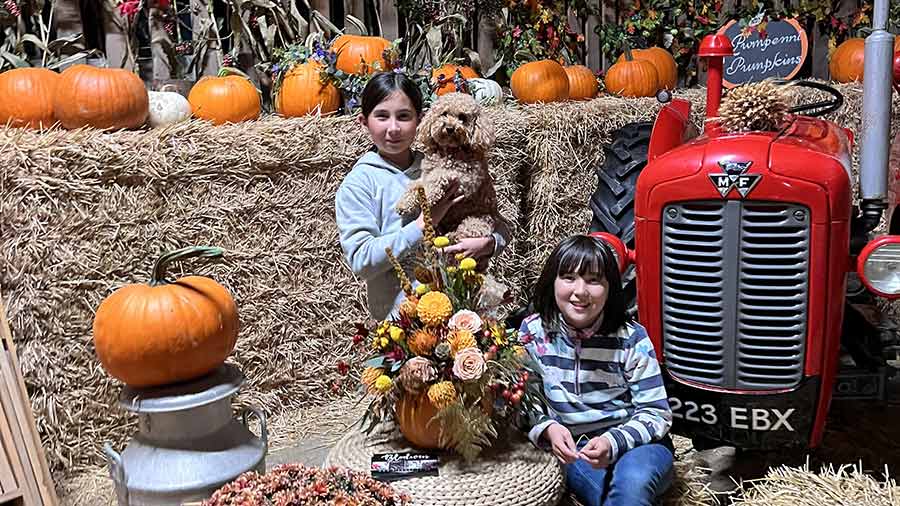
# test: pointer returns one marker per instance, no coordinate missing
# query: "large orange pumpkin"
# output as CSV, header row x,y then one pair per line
x,y
540,81
414,416
446,84
846,62
26,97
632,77
358,54
100,98
662,60
162,333
582,82
303,92
225,98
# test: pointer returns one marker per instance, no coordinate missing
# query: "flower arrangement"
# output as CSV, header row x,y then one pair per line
x,y
444,368
297,485
540,29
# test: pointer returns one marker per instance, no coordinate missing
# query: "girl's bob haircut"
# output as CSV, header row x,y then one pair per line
x,y
581,254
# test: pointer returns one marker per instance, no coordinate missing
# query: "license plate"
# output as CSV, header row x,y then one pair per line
x,y
735,417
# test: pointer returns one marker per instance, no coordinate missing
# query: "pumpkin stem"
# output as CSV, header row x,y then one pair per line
x,y
627,48
159,268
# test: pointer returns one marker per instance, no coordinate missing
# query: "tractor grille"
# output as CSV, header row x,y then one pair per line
x,y
734,288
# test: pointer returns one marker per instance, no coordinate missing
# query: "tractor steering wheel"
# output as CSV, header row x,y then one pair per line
x,y
816,108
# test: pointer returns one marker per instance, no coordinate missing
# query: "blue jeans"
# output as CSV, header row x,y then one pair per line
x,y
638,478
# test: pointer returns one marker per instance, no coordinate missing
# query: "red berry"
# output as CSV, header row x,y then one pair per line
x,y
517,398
525,376
520,386
493,349
507,394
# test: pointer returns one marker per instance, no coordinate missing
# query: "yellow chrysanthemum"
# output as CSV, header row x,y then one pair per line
x,y
434,308
442,394
369,375
408,307
383,342
460,340
422,342
468,264
397,333
421,289
383,383
441,242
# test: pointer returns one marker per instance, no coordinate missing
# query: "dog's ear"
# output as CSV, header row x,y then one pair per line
x,y
427,126
484,135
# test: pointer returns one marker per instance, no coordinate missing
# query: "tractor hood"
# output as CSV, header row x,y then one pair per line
x,y
808,162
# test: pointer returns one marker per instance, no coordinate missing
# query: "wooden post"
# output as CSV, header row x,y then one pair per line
x,y
67,18
608,15
21,444
390,20
115,39
162,69
204,28
324,7
487,27
594,59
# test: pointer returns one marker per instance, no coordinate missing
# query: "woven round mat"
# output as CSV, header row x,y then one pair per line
x,y
516,475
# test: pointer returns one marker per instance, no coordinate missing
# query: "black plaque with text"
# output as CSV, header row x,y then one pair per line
x,y
777,50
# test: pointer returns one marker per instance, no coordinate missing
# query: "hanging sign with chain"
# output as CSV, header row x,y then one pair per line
x,y
763,50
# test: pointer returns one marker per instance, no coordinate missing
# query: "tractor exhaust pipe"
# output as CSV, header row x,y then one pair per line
x,y
876,118
714,48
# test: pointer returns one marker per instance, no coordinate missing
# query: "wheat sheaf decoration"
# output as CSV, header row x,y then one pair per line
x,y
761,106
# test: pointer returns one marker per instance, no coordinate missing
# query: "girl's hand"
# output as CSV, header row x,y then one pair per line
x,y
561,443
474,247
597,452
452,196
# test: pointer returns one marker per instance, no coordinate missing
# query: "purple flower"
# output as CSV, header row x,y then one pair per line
x,y
352,103
275,68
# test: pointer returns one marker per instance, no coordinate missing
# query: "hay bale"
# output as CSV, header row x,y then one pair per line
x,y
798,486
84,212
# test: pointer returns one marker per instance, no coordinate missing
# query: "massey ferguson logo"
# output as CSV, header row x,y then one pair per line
x,y
735,176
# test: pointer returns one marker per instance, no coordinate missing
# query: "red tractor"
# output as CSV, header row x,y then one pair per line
x,y
743,245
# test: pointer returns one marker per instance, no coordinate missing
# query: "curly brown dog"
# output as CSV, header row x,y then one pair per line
x,y
456,139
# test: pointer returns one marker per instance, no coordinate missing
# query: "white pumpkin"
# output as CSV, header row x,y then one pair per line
x,y
485,91
167,107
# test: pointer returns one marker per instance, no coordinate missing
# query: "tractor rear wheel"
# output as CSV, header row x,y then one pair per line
x,y
612,204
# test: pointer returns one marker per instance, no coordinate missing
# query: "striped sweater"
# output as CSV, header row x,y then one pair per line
x,y
619,393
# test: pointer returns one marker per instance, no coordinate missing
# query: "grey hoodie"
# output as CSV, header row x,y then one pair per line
x,y
368,223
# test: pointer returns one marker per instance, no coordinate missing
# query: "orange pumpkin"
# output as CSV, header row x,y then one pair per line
x,y
303,92
446,85
164,332
414,416
540,81
26,97
358,54
100,98
846,62
662,60
582,82
225,98
632,77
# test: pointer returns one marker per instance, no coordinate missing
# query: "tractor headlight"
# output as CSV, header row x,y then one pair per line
x,y
879,266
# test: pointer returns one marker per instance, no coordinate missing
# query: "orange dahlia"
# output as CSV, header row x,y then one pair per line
x,y
434,308
422,342
442,394
460,340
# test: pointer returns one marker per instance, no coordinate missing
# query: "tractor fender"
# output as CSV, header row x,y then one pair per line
x,y
672,128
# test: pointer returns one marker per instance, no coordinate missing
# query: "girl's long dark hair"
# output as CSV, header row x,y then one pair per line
x,y
581,254
383,84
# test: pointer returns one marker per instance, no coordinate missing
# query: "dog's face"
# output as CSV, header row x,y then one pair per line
x,y
455,122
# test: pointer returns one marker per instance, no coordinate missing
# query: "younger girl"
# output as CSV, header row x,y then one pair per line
x,y
609,411
364,205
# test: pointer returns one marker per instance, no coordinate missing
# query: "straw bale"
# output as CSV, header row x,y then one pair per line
x,y
84,212
798,486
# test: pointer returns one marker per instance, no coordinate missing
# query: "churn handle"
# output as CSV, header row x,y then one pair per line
x,y
263,429
117,473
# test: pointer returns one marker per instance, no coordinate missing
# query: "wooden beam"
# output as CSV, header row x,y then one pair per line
x,y
67,18
162,70
115,39
594,58
204,28
390,20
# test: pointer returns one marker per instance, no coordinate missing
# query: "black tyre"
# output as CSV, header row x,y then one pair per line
x,y
612,204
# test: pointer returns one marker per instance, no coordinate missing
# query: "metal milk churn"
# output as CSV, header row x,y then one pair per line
x,y
188,444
